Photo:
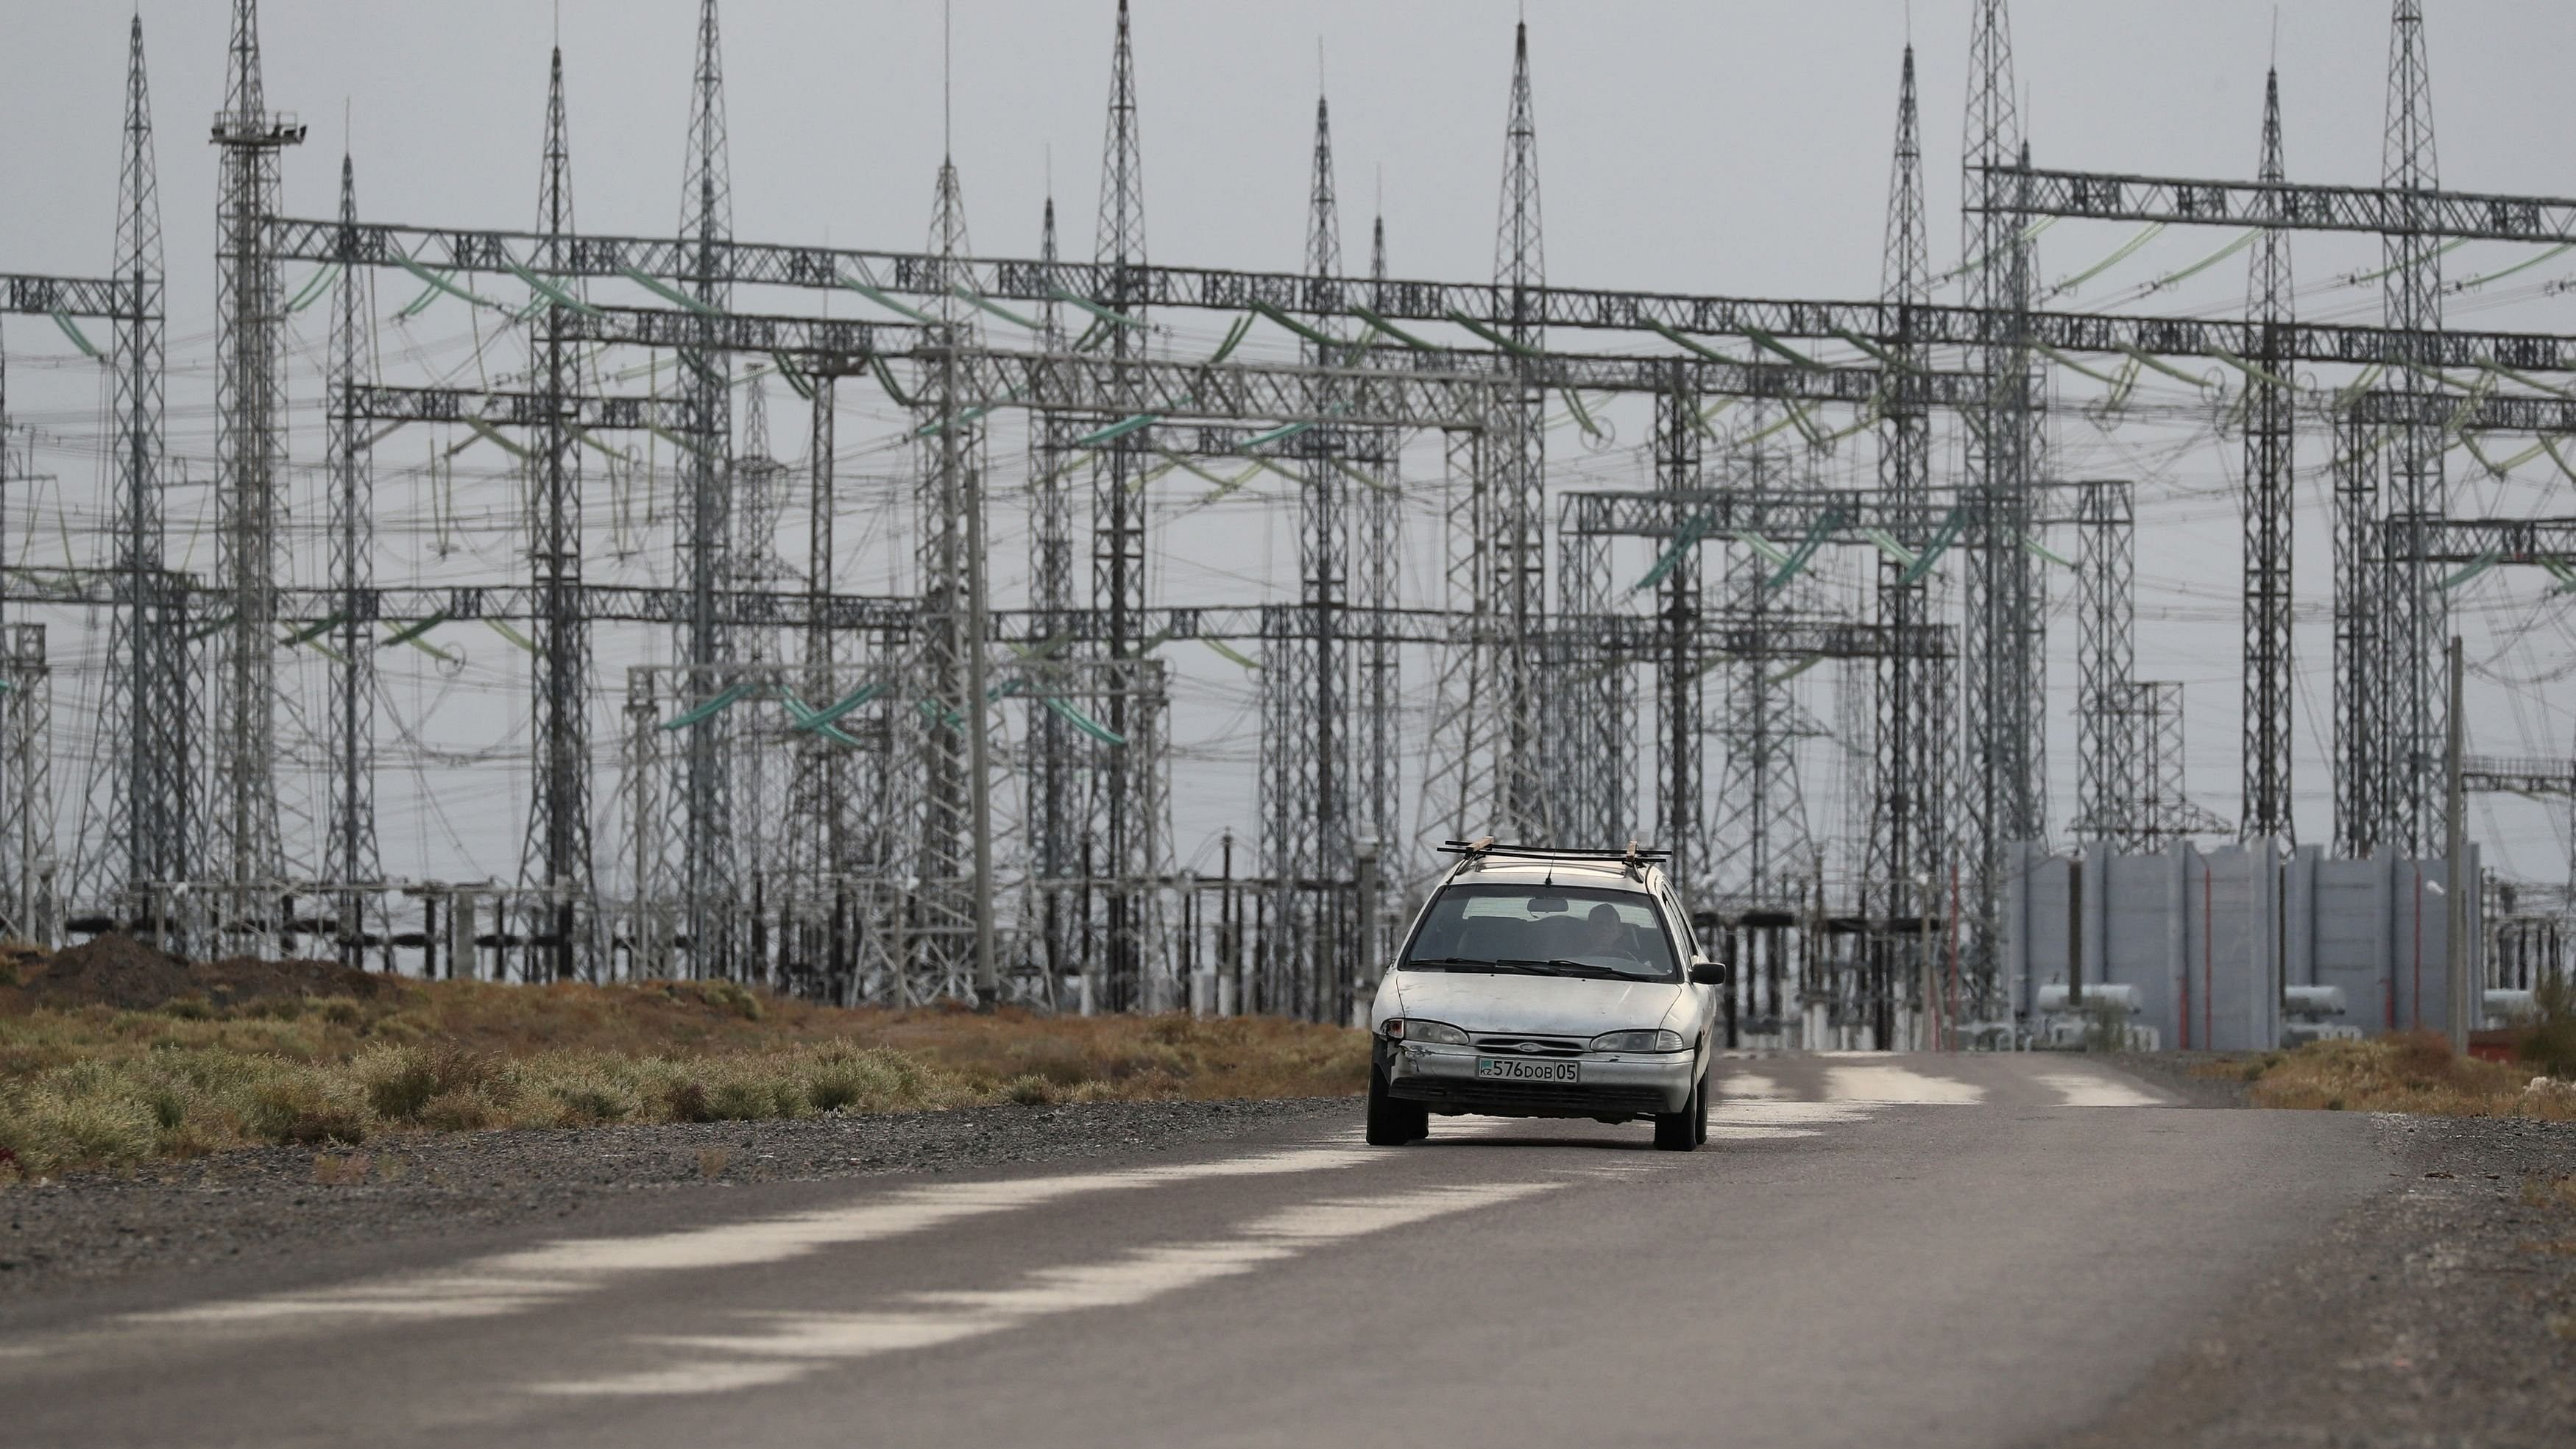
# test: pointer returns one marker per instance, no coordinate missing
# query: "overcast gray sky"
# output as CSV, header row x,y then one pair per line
x,y
1714,146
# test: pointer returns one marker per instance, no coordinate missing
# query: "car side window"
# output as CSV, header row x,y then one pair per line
x,y
1682,931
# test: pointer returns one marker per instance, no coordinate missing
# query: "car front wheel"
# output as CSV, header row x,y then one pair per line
x,y
1683,1131
1393,1122
1707,1085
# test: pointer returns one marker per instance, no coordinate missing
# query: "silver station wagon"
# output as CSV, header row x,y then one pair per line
x,y
1547,983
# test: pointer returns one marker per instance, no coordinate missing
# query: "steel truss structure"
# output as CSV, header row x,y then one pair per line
x,y
813,790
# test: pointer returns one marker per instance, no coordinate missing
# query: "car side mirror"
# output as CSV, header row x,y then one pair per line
x,y
1708,973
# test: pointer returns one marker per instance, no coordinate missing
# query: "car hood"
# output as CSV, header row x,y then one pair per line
x,y
1555,1006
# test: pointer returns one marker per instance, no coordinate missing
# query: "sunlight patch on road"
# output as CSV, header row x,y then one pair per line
x,y
1760,1120
810,1341
2080,1089
532,1278
1899,1087
1751,1085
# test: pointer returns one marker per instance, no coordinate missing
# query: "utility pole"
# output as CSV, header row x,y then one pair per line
x,y
2455,899
969,490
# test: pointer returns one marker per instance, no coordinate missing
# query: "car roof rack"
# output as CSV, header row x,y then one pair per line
x,y
1635,857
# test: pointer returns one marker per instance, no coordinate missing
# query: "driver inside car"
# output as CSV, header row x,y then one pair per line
x,y
1603,934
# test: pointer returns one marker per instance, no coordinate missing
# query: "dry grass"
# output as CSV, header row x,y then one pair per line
x,y
2412,1072
97,1086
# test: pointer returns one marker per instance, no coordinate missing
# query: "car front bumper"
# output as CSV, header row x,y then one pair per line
x,y
1614,1085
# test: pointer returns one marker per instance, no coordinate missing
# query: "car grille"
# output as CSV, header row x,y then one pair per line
x,y
1521,1044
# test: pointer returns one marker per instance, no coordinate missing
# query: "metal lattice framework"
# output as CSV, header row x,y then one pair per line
x,y
813,764
144,781
350,853
1909,787
245,853
2270,465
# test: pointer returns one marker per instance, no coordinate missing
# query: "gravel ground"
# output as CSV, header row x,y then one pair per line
x,y
272,1204
2440,1313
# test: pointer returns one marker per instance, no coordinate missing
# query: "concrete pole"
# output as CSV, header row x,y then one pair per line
x,y
2465,999
1363,987
1927,1030
967,486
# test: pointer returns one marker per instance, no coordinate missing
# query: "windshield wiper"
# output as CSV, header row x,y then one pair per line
x,y
1461,963
1564,966
1556,967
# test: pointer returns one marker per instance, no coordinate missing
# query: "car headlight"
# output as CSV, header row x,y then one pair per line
x,y
1638,1041
1439,1033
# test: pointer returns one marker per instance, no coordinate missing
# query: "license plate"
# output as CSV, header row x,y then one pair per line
x,y
1512,1069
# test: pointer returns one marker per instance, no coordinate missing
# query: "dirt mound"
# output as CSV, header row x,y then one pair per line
x,y
112,970
247,978
117,970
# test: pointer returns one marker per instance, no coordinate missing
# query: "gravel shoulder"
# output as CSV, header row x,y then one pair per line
x,y
2441,1312
257,1210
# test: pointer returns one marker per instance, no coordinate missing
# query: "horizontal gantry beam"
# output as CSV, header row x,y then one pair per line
x,y
372,403
1834,515
2408,537
2498,775
1352,303
831,344
78,297
2286,205
1144,389
2485,412
1147,390
1717,633
820,343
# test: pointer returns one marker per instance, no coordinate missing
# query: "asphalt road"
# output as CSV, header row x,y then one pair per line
x,y
1978,1251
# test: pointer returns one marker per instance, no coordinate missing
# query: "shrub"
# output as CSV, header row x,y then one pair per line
x,y
749,1098
578,1093
96,1085
307,1109
461,1109
398,1081
685,1100
77,1114
2550,1041
2409,1072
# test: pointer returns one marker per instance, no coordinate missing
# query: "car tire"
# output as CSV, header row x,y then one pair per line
x,y
1392,1122
1699,1113
1677,1131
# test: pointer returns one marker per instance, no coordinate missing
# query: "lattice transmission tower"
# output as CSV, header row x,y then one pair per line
x,y
350,857
145,829
245,854
555,861
2002,796
1129,803
1907,836
2268,514
2418,614
709,894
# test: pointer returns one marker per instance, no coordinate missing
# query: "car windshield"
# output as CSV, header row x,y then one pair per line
x,y
1568,931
